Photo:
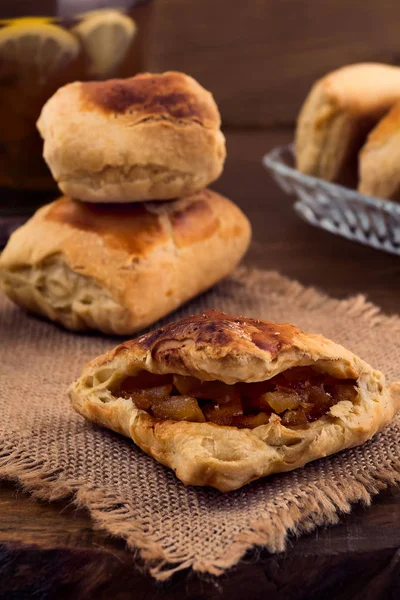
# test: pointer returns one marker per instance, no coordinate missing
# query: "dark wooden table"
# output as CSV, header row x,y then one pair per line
x,y
51,551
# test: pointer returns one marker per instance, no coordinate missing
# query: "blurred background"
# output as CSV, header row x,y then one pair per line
x,y
259,58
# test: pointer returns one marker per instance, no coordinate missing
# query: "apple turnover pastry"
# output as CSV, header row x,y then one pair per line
x,y
337,115
225,400
119,268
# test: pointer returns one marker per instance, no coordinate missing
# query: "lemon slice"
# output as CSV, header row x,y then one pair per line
x,y
30,49
27,20
105,36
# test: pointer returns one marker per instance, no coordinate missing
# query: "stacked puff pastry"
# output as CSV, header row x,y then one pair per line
x,y
137,232
348,130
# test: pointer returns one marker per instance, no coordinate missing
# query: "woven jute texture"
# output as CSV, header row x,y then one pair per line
x,y
54,453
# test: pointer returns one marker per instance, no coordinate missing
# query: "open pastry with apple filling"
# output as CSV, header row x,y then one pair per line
x,y
225,400
299,395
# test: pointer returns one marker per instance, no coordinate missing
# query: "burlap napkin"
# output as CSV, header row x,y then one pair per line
x,y
55,453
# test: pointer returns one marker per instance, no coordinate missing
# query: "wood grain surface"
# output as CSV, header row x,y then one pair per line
x,y
260,57
51,551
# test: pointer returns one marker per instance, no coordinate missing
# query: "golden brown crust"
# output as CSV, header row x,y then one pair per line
x,y
194,222
151,137
168,95
215,346
129,228
120,268
389,125
379,158
338,113
223,346
135,227
216,332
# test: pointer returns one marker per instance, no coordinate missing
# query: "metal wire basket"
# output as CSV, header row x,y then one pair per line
x,y
340,210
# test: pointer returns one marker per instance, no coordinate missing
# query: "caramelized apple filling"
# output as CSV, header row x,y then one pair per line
x,y
299,395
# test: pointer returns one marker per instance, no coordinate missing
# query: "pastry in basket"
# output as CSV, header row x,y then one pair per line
x,y
119,268
379,161
224,400
124,140
337,115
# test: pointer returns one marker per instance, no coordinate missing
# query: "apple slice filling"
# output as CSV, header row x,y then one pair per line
x,y
298,395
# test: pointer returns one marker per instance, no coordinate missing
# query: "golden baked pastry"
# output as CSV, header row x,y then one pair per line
x,y
119,268
225,400
149,137
337,115
379,160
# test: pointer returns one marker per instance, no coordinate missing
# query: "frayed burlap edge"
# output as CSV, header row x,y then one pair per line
x,y
308,509
304,511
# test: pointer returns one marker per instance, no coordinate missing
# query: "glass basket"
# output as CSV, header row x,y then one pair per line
x,y
340,210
